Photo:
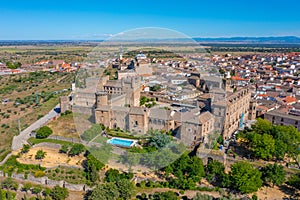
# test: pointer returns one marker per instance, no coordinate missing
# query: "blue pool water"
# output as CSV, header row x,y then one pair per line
x,y
120,142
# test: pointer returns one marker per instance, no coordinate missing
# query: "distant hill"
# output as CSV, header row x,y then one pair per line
x,y
251,40
284,40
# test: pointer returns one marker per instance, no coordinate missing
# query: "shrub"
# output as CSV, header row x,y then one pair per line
x,y
76,149
37,190
39,174
59,193
40,154
64,149
26,187
9,183
43,132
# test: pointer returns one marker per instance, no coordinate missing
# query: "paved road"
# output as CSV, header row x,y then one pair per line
x,y
22,138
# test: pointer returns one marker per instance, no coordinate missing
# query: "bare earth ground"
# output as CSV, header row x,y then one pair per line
x,y
272,193
188,193
64,126
53,158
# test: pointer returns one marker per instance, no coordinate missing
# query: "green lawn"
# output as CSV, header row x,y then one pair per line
x,y
122,134
34,141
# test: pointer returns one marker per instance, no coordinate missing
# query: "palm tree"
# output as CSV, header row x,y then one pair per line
x,y
40,154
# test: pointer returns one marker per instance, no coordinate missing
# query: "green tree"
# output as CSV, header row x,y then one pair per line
x,y
262,126
245,178
91,167
43,132
263,146
169,195
155,88
280,149
64,148
107,191
76,149
159,140
274,174
59,193
143,100
187,170
112,175
91,160
215,171
12,65
40,154
126,188
290,139
294,181
25,148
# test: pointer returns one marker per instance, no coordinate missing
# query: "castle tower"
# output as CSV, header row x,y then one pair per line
x,y
64,104
101,99
252,110
227,84
136,91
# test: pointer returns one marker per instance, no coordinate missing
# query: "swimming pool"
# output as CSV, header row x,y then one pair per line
x,y
122,142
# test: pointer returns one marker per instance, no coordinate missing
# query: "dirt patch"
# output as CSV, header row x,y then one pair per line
x,y
64,126
188,193
271,193
53,158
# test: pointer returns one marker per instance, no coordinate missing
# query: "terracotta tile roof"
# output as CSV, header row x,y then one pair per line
x,y
262,95
290,99
236,78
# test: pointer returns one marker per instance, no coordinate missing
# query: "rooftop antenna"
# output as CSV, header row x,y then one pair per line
x,y
121,54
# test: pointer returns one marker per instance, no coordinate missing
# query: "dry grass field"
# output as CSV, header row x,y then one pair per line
x,y
27,98
64,126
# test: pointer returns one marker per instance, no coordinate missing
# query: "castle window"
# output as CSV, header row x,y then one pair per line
x,y
136,123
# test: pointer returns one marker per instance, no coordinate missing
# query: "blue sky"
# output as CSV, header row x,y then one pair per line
x,y
96,19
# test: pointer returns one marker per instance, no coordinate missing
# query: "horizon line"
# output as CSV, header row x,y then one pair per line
x,y
194,37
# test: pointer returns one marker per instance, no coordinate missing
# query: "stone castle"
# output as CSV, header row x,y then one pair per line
x,y
116,104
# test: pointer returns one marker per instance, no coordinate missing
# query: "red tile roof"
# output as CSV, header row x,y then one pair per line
x,y
290,99
236,78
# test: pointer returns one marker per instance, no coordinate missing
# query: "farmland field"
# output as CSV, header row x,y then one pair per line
x,y
26,98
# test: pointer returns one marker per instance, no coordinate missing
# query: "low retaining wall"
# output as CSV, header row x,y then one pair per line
x,y
47,182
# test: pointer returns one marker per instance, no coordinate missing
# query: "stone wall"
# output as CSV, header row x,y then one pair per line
x,y
47,182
